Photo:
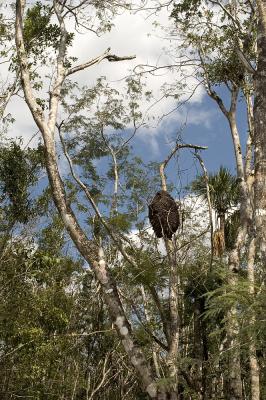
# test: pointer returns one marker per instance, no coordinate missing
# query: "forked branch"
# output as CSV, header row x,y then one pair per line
x,y
177,147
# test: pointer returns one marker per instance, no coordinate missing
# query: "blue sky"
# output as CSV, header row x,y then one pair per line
x,y
213,132
205,124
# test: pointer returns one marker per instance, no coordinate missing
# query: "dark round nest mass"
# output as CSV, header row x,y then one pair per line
x,y
164,215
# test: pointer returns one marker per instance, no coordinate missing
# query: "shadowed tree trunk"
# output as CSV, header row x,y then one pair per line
x,y
201,346
260,132
259,240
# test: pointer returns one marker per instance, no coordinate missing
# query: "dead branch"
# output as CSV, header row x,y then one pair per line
x,y
97,60
173,152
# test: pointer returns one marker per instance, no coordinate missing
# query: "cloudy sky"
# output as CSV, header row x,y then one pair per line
x,y
135,34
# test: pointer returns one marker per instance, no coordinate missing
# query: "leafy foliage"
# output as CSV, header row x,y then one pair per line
x,y
224,190
231,229
18,169
39,33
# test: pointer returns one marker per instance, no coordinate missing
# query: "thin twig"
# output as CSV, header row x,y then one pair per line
x,y
92,202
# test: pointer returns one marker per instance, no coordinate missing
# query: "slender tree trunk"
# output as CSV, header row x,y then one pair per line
x,y
246,202
234,366
258,238
173,300
164,320
251,253
148,319
232,327
174,319
175,324
253,362
260,132
201,346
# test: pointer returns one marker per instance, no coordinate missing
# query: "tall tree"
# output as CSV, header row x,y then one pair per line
x,y
259,131
91,250
225,55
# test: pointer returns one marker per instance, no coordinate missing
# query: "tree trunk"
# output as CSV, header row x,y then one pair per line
x,y
253,362
222,222
234,391
174,319
260,132
201,346
251,252
173,301
260,180
87,248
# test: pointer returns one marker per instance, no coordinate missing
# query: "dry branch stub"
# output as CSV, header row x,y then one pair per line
x,y
164,215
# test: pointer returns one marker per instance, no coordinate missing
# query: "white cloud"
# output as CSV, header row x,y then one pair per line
x,y
24,125
132,34
197,116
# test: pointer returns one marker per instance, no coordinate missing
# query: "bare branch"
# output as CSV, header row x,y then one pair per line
x,y
245,62
175,149
145,327
238,25
104,376
97,60
187,243
155,68
209,89
165,322
114,58
230,16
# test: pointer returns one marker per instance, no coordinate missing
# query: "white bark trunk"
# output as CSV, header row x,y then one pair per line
x,y
86,247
